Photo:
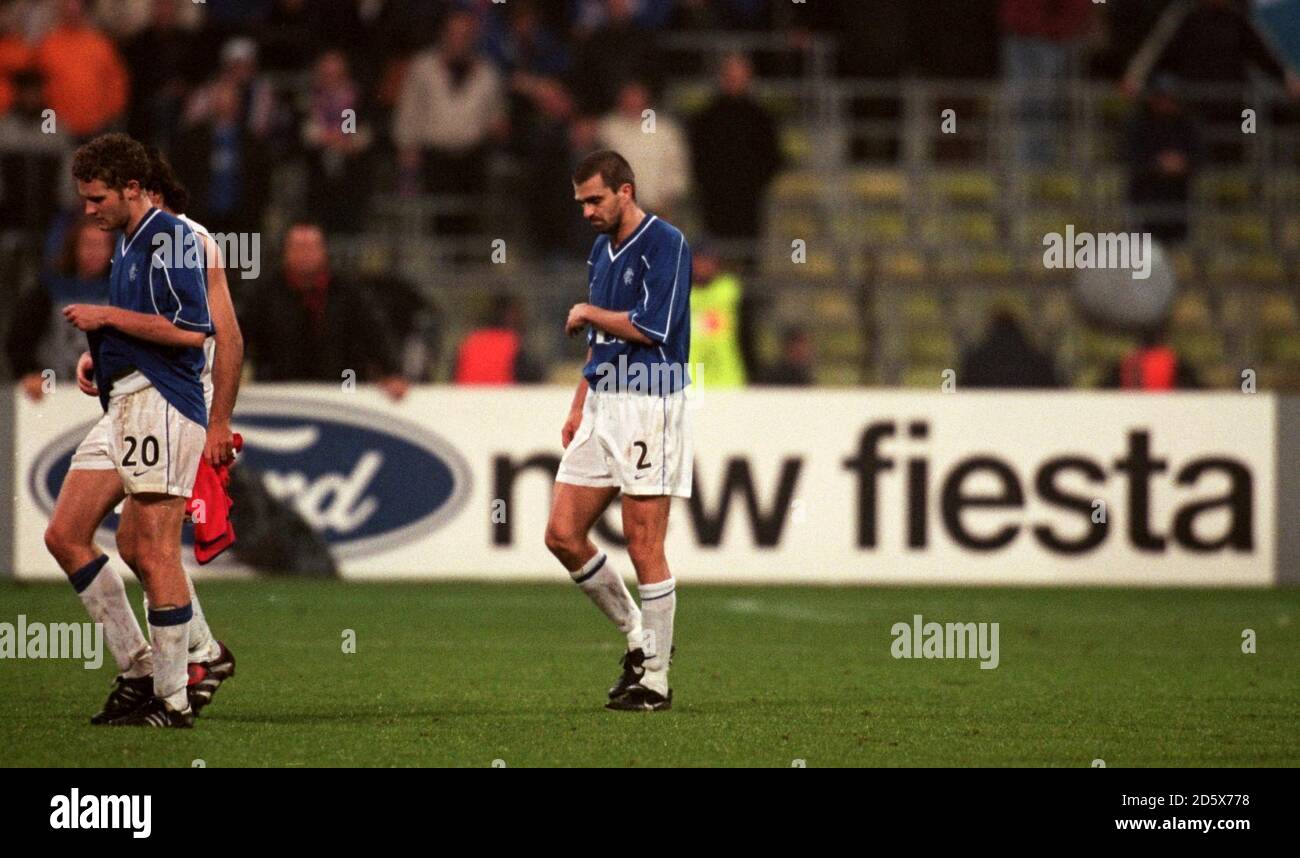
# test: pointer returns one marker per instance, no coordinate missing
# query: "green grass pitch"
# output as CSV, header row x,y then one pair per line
x,y
462,674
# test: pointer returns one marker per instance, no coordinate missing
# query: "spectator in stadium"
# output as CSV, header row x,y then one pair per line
x,y
257,107
337,144
40,338
1037,36
1006,358
1207,41
1164,152
794,368
225,165
86,82
655,143
495,353
1153,365
715,323
520,43
292,36
609,50
735,153
1215,43
16,55
554,224
451,108
33,164
310,324
168,57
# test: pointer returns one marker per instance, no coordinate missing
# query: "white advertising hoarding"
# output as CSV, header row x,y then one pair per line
x,y
796,485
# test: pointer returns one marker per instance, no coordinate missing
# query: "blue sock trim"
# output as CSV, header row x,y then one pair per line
x,y
82,578
171,616
596,569
660,596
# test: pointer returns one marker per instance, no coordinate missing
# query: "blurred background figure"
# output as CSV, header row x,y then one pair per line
x,y
1038,38
716,343
171,59
86,82
33,164
309,324
496,352
451,108
794,367
225,164
337,140
1005,358
735,154
1164,151
1153,365
41,338
610,48
663,172
1211,43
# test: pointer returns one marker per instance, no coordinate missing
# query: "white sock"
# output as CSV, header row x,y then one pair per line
x,y
658,605
170,631
104,595
203,646
605,587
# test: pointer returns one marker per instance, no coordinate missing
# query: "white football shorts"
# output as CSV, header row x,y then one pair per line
x,y
641,444
153,447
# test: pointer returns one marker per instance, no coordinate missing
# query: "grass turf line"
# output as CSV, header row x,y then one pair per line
x,y
462,674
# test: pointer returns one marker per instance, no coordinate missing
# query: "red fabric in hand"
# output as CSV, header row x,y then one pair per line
x,y
214,532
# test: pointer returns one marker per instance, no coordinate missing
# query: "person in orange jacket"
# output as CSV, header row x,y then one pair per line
x,y
86,82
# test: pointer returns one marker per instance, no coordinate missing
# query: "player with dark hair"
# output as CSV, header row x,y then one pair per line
x,y
147,354
628,429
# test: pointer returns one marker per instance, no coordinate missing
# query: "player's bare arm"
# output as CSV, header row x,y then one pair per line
x,y
613,322
146,326
575,411
228,363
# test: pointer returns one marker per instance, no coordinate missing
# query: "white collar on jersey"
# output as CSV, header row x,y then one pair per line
x,y
633,237
126,245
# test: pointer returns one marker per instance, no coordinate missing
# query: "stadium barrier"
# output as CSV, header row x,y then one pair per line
x,y
800,486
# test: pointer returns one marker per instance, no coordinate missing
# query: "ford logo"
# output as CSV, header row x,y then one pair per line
x,y
366,481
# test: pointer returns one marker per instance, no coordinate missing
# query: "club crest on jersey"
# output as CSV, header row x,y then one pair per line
x,y
134,270
627,277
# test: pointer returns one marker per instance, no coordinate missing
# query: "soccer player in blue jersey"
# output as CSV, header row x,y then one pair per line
x,y
147,351
628,428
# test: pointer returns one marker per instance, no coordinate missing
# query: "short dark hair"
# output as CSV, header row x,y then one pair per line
x,y
612,168
114,159
162,180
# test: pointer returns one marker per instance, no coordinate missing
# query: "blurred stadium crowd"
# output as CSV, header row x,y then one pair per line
x,y
407,162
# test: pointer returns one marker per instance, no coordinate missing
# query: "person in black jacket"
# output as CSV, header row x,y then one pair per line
x,y
735,154
1006,358
310,324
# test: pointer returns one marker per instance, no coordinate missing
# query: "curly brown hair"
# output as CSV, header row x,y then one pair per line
x,y
114,159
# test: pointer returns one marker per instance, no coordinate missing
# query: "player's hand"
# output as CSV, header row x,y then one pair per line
x,y
86,375
219,448
570,428
87,317
577,319
33,384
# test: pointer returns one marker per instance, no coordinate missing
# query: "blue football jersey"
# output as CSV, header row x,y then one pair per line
x,y
165,276
649,276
